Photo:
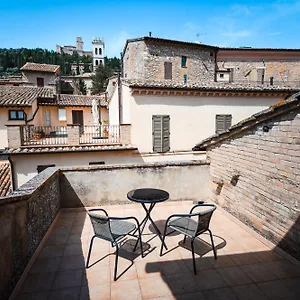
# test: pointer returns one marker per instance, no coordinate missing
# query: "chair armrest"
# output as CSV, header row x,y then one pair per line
x,y
203,205
125,218
181,216
94,210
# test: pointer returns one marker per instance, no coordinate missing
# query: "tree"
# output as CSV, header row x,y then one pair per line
x,y
81,86
100,79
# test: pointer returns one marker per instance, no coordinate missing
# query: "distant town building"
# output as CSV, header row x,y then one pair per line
x,y
98,53
71,49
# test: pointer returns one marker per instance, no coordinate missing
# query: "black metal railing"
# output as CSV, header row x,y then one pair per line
x,y
44,135
102,134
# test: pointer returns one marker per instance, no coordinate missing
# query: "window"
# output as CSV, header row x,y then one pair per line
x,y
168,70
41,168
16,115
101,62
100,51
161,133
96,163
62,116
183,61
223,122
96,51
96,61
185,79
40,81
221,75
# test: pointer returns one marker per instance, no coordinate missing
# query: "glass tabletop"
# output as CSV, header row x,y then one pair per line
x,y
148,195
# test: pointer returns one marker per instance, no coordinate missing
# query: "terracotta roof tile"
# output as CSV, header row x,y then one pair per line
x,y
5,179
81,100
40,67
22,95
279,108
207,86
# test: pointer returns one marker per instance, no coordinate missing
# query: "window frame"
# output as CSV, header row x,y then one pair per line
x,y
183,61
17,115
163,134
227,119
40,81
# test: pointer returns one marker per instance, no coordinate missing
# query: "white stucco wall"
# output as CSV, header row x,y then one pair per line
x,y
192,119
113,108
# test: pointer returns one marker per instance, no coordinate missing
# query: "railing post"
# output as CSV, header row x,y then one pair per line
x,y
125,134
73,135
14,136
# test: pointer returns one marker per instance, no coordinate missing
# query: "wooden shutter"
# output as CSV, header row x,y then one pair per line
x,y
161,133
168,70
223,122
261,75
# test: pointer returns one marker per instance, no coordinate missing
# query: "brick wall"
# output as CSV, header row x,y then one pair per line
x,y
256,177
146,61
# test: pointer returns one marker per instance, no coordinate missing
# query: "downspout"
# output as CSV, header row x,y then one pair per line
x,y
119,97
13,185
33,116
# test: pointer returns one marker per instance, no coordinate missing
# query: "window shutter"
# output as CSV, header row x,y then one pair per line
x,y
161,133
223,122
261,75
168,70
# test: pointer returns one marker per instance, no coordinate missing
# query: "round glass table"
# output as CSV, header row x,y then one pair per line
x,y
148,196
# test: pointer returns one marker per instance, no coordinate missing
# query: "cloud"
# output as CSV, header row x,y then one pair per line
x,y
274,33
115,44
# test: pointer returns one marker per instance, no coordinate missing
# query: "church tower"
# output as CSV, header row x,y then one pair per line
x,y
98,53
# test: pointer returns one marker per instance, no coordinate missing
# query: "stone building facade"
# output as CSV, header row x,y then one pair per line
x,y
158,59
255,173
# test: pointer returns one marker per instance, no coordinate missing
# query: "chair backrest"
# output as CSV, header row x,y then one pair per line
x,y
101,226
204,217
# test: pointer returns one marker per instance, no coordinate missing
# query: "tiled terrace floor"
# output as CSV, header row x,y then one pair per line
x,y
245,268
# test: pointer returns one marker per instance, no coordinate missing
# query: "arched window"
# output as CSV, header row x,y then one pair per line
x,y
96,62
96,51
101,62
100,51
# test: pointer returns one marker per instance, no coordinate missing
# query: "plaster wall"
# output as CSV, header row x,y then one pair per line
x,y
191,118
31,77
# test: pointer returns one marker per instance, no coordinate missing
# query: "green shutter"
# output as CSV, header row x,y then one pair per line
x,y
223,122
161,133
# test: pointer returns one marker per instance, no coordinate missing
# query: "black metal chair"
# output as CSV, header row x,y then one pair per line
x,y
113,229
184,224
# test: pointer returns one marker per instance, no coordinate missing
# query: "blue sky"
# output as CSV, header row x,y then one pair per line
x,y
33,23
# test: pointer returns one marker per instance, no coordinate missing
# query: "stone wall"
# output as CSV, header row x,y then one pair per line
x,y
94,186
146,61
256,177
26,216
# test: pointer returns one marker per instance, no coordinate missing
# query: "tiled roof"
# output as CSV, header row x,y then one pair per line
x,y
5,179
22,95
76,100
207,86
279,108
40,67
63,149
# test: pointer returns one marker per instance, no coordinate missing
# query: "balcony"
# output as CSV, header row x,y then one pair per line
x,y
46,220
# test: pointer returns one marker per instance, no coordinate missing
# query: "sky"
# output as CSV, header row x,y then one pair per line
x,y
43,24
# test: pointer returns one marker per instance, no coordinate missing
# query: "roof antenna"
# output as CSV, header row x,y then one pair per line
x,y
150,33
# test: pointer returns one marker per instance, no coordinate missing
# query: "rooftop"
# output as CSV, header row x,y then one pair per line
x,y
40,67
5,178
247,266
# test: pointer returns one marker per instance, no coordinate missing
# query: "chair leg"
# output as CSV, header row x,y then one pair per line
x,y
193,253
184,239
212,243
90,250
116,261
163,240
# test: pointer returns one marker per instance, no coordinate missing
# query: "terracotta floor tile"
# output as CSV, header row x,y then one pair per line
x,y
145,269
57,230
76,238
126,271
37,283
259,272
209,279
44,265
75,249
67,279
234,276
52,251
244,258
97,292
154,287
80,229
65,294
97,260
35,296
278,289
249,292
191,296
97,276
293,285
127,289
282,269
266,256
71,262
220,294
180,284
57,239
222,261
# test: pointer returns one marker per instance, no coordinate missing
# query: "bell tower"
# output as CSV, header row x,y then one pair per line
x,y
98,53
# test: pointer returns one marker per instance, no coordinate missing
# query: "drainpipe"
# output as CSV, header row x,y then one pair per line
x,y
33,116
13,185
119,97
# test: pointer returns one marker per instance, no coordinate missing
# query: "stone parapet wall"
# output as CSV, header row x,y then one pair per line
x,y
256,177
26,215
